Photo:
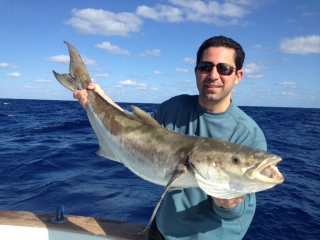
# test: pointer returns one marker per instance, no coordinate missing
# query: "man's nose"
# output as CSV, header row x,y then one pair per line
x,y
214,73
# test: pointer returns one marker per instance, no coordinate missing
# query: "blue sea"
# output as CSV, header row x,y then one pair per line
x,y
47,157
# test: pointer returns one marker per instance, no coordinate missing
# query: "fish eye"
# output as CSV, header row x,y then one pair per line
x,y
236,160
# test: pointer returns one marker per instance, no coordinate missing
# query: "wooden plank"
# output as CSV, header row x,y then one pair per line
x,y
77,224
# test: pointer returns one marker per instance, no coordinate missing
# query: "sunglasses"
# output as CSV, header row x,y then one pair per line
x,y
222,68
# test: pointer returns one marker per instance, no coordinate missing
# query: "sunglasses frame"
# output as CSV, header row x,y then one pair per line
x,y
227,67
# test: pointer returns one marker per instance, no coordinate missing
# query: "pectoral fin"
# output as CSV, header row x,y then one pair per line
x,y
176,173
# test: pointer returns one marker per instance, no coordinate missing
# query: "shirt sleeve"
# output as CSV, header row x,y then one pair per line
x,y
237,219
260,145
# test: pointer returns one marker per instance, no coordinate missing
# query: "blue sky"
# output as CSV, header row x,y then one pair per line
x,y
145,51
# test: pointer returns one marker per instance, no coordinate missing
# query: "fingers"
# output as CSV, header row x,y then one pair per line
x,y
227,203
81,96
92,86
238,200
95,87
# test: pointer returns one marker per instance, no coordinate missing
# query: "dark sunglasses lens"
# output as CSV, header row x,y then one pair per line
x,y
224,69
205,67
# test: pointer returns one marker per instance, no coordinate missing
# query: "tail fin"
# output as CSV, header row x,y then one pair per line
x,y
78,77
66,80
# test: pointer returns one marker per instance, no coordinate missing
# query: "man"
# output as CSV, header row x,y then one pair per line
x,y
189,213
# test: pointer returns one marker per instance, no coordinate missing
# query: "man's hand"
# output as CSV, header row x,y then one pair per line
x,y
227,203
82,95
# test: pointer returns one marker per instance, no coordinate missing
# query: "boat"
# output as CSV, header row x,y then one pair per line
x,y
16,225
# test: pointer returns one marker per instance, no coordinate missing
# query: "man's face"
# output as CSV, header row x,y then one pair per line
x,y
214,88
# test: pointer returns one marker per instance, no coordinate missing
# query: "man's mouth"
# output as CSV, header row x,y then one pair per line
x,y
212,86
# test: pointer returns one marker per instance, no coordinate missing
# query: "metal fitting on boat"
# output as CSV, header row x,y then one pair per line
x,y
59,218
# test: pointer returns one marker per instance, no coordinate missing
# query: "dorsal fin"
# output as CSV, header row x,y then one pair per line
x,y
143,116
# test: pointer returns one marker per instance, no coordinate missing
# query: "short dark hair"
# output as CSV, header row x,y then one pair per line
x,y
221,41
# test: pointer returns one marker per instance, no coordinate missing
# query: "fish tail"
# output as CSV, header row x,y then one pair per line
x,y
78,77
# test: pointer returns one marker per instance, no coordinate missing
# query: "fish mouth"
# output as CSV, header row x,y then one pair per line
x,y
266,171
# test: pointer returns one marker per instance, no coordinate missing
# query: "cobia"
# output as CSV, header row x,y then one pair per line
x,y
158,155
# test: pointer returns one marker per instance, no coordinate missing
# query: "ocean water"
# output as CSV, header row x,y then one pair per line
x,y
47,157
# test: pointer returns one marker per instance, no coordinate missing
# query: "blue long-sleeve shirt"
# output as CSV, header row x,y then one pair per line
x,y
190,213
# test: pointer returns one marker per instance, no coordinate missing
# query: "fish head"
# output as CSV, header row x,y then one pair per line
x,y
226,170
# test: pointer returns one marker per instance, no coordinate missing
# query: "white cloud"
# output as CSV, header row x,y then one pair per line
x,y
4,65
187,82
195,11
301,6
160,13
98,21
130,83
101,22
308,14
168,84
301,45
288,94
127,62
253,71
289,84
98,70
189,61
181,70
30,87
112,48
102,75
261,90
42,80
211,11
7,65
135,85
258,46
291,21
14,74
89,61
152,53
65,59
156,72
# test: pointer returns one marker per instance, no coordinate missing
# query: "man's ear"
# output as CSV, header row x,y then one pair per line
x,y
239,76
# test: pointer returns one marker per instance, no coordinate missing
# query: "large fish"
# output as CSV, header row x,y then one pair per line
x,y
158,155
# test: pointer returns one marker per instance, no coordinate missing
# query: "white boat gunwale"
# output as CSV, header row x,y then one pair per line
x,y
76,224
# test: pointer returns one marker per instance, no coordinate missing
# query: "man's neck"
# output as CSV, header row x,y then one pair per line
x,y
216,107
